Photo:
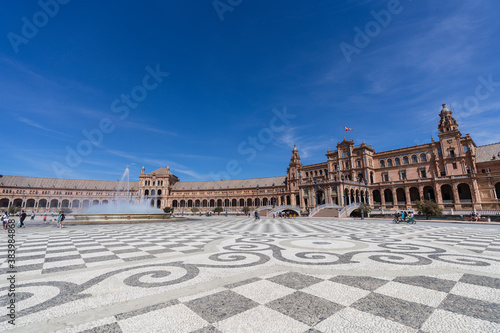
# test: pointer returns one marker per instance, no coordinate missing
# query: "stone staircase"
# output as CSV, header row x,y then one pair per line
x,y
328,212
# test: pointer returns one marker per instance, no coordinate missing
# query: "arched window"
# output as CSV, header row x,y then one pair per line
x,y
423,157
389,162
405,160
307,174
414,159
382,164
397,161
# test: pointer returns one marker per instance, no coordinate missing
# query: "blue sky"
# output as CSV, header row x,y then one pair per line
x,y
245,82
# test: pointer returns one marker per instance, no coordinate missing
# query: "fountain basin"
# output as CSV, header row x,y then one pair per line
x,y
120,218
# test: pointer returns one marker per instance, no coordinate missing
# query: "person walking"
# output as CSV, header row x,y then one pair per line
x,y
5,220
60,219
22,217
32,215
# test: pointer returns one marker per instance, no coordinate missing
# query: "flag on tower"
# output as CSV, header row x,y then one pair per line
x,y
348,129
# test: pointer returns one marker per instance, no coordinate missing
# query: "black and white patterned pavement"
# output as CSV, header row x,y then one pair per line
x,y
237,275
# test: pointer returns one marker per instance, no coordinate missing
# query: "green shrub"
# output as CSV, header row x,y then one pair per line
x,y
428,208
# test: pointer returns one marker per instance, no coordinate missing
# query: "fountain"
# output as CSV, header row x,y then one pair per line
x,y
125,207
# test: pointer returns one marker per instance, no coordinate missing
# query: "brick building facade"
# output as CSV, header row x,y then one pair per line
x,y
451,171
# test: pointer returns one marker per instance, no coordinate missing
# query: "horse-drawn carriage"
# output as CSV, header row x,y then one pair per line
x,y
404,216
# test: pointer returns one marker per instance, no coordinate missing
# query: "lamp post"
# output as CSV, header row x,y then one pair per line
x,y
183,203
227,202
274,205
257,197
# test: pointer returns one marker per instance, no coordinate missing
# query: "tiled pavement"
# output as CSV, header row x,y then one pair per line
x,y
235,275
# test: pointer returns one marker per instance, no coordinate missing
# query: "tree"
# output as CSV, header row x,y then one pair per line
x,y
194,210
357,212
168,210
13,210
245,210
218,210
428,208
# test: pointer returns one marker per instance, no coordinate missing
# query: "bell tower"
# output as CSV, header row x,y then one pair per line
x,y
448,126
293,171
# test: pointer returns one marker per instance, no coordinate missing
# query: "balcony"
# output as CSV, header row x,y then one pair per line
x,y
465,200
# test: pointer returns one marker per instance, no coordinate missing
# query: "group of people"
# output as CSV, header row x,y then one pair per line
x,y
474,217
22,217
404,214
285,215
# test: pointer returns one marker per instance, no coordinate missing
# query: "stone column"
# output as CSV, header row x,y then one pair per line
x,y
407,196
394,196
439,196
382,198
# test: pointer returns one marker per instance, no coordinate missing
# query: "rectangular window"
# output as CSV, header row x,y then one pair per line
x,y
439,152
443,173
454,165
385,177
423,174
452,153
465,148
403,174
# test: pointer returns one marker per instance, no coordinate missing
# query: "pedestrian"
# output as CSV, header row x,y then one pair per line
x,y
22,217
5,220
60,219
45,218
32,215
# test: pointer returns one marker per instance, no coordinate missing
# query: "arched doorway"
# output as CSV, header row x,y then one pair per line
x,y
429,194
4,203
86,203
204,202
18,202
388,197
249,202
54,203
320,198
158,203
347,200
242,202
447,193
401,197
212,203
174,204
464,193
376,197
190,203
414,194
42,203
75,204
264,202
65,203
30,203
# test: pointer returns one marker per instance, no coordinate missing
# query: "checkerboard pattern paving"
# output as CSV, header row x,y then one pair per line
x,y
240,275
298,302
478,241
76,249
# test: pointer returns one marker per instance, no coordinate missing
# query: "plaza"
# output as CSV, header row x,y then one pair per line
x,y
235,274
